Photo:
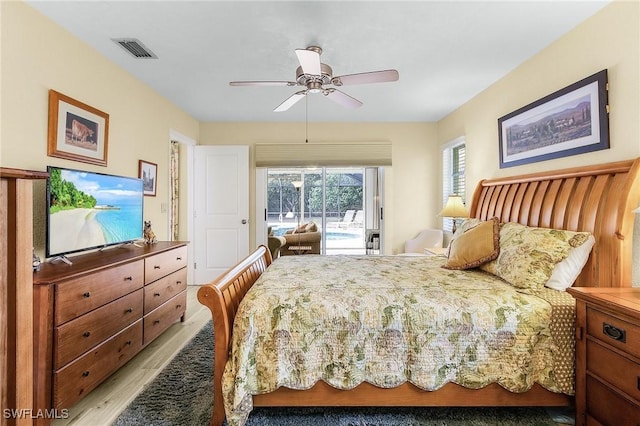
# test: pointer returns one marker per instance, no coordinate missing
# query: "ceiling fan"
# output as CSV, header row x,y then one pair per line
x,y
313,75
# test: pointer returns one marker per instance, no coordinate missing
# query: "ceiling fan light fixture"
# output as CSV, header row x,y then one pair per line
x,y
314,87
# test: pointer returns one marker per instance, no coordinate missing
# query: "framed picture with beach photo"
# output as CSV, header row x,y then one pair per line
x,y
148,172
77,131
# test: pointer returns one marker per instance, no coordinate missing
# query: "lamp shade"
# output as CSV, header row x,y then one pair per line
x,y
454,207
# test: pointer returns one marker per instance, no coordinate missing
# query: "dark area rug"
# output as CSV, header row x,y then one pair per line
x,y
182,395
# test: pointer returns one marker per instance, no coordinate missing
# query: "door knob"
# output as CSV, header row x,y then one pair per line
x,y
244,221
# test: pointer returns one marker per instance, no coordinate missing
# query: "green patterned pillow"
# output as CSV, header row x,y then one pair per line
x,y
528,255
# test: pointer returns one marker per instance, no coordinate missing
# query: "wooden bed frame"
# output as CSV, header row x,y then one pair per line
x,y
599,199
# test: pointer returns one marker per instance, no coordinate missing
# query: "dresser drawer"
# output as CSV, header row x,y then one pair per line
x,y
75,380
162,264
81,295
609,408
160,319
81,334
617,370
165,288
613,331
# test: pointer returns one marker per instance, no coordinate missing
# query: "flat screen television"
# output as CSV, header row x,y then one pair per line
x,y
88,210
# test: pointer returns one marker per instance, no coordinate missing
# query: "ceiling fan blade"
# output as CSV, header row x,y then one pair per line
x,y
290,101
366,78
309,61
262,83
342,98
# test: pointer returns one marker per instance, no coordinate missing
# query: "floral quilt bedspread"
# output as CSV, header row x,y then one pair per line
x,y
385,320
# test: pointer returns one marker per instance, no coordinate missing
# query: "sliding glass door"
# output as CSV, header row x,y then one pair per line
x,y
334,198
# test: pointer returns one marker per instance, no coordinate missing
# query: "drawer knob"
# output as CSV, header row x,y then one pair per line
x,y
129,342
129,310
178,306
85,374
87,294
156,294
156,322
86,334
614,332
178,258
156,267
129,278
178,282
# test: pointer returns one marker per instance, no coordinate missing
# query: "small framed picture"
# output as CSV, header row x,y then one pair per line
x,y
77,131
148,172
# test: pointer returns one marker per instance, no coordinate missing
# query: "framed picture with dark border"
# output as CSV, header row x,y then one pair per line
x,y
77,131
571,121
148,172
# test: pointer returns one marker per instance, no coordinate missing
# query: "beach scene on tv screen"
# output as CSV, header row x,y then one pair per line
x,y
91,210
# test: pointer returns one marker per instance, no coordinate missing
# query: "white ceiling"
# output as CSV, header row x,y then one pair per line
x,y
445,51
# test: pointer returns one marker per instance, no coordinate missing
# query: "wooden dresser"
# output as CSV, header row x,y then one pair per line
x,y
607,356
93,316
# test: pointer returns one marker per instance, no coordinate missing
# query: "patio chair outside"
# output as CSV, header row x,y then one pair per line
x,y
358,219
345,221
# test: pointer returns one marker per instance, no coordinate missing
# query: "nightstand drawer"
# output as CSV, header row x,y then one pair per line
x,y
613,331
617,370
608,407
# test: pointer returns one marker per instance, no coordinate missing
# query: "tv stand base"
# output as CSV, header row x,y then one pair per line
x,y
63,258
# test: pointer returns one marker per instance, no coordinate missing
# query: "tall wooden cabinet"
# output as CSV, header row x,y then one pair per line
x,y
93,316
16,286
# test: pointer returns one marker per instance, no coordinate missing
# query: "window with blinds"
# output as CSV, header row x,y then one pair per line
x,y
453,179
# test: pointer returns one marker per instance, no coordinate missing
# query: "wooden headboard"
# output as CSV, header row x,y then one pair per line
x,y
599,199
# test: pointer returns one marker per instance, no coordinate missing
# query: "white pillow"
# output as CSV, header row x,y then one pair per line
x,y
566,272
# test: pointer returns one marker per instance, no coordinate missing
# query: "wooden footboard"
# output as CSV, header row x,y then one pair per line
x,y
222,297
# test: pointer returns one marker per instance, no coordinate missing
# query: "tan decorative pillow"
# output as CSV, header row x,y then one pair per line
x,y
528,255
476,245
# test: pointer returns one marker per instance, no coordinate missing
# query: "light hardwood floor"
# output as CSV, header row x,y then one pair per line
x,y
103,405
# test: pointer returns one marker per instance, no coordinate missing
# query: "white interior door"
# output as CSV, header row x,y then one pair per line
x,y
221,209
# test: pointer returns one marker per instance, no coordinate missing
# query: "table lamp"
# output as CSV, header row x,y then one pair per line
x,y
454,208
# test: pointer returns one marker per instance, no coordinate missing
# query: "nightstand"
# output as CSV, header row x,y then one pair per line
x,y
436,251
607,355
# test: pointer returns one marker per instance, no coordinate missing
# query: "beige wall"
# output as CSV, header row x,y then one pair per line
x,y
38,55
410,191
610,39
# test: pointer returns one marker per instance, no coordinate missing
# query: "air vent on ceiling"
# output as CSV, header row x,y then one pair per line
x,y
135,47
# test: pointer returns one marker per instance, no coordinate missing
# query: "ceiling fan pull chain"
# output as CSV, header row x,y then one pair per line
x,y
306,119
